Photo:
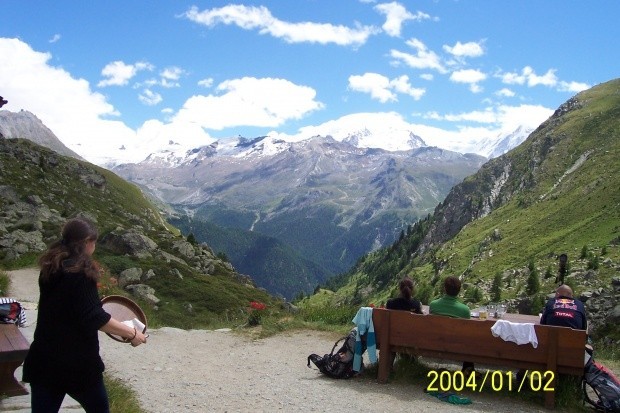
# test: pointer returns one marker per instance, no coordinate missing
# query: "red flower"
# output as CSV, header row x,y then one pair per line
x,y
257,305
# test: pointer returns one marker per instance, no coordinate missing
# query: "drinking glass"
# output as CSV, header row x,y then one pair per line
x,y
501,310
491,309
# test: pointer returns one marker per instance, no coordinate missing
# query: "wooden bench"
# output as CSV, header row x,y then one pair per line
x,y
560,349
13,350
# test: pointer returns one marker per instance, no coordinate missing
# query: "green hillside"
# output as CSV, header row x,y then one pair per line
x,y
40,189
558,192
273,264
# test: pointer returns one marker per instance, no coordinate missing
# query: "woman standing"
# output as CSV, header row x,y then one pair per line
x,y
64,355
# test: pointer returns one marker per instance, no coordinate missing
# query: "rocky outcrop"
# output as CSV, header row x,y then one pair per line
x,y
603,307
129,243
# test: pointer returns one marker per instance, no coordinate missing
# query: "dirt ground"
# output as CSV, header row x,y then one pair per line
x,y
222,371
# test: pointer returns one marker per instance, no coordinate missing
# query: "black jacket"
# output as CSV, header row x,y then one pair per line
x,y
65,351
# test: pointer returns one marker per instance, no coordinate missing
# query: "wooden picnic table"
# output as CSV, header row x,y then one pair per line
x,y
13,350
512,317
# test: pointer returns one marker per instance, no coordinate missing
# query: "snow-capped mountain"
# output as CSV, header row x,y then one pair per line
x,y
390,140
492,148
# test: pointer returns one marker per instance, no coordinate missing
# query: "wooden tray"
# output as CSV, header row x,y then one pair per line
x,y
122,309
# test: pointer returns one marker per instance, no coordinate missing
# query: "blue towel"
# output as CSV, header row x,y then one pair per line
x,y
363,321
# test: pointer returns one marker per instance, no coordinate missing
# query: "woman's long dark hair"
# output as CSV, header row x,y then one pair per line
x,y
406,288
69,253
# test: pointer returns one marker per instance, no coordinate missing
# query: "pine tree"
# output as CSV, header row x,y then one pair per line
x,y
533,282
496,288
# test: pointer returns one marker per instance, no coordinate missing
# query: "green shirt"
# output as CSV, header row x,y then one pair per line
x,y
449,306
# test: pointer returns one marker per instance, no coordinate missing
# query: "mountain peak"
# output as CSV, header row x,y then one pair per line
x,y
26,125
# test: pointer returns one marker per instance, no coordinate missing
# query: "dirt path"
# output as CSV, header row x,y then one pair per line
x,y
220,371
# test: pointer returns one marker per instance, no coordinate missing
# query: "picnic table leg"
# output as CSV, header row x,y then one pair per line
x,y
385,355
552,364
9,385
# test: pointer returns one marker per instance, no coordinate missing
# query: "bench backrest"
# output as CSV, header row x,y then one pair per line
x,y
559,348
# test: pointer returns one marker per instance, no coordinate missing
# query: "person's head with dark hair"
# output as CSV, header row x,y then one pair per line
x,y
406,288
73,252
452,286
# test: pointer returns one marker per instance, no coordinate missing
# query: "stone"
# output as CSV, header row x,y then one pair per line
x,y
130,276
130,243
614,315
184,248
143,292
149,274
175,273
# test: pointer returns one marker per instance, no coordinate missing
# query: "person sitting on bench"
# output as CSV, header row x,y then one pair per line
x,y
564,311
404,302
450,306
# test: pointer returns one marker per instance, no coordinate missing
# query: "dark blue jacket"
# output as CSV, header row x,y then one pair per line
x,y
565,312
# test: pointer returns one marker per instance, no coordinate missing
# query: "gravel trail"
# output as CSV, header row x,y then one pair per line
x,y
222,371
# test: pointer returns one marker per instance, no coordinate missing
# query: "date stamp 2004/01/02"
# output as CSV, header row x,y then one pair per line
x,y
496,380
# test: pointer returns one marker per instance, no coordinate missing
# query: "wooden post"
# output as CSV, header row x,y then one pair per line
x,y
385,358
552,365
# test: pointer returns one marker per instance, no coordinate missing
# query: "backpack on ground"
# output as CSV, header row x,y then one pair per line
x,y
601,388
339,364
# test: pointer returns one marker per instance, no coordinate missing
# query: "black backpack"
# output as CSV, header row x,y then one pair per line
x,y
601,388
339,365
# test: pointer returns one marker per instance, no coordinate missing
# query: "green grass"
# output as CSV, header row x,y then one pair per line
x,y
122,398
4,283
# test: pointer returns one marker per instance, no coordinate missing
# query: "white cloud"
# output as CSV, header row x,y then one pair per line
x,y
382,88
469,76
261,19
170,76
77,115
55,38
505,92
401,84
119,73
427,76
150,98
548,79
206,82
574,87
172,73
469,49
250,101
378,86
174,136
66,105
502,117
529,77
423,59
395,15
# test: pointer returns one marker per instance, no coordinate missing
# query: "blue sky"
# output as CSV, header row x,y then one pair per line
x,y
102,75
